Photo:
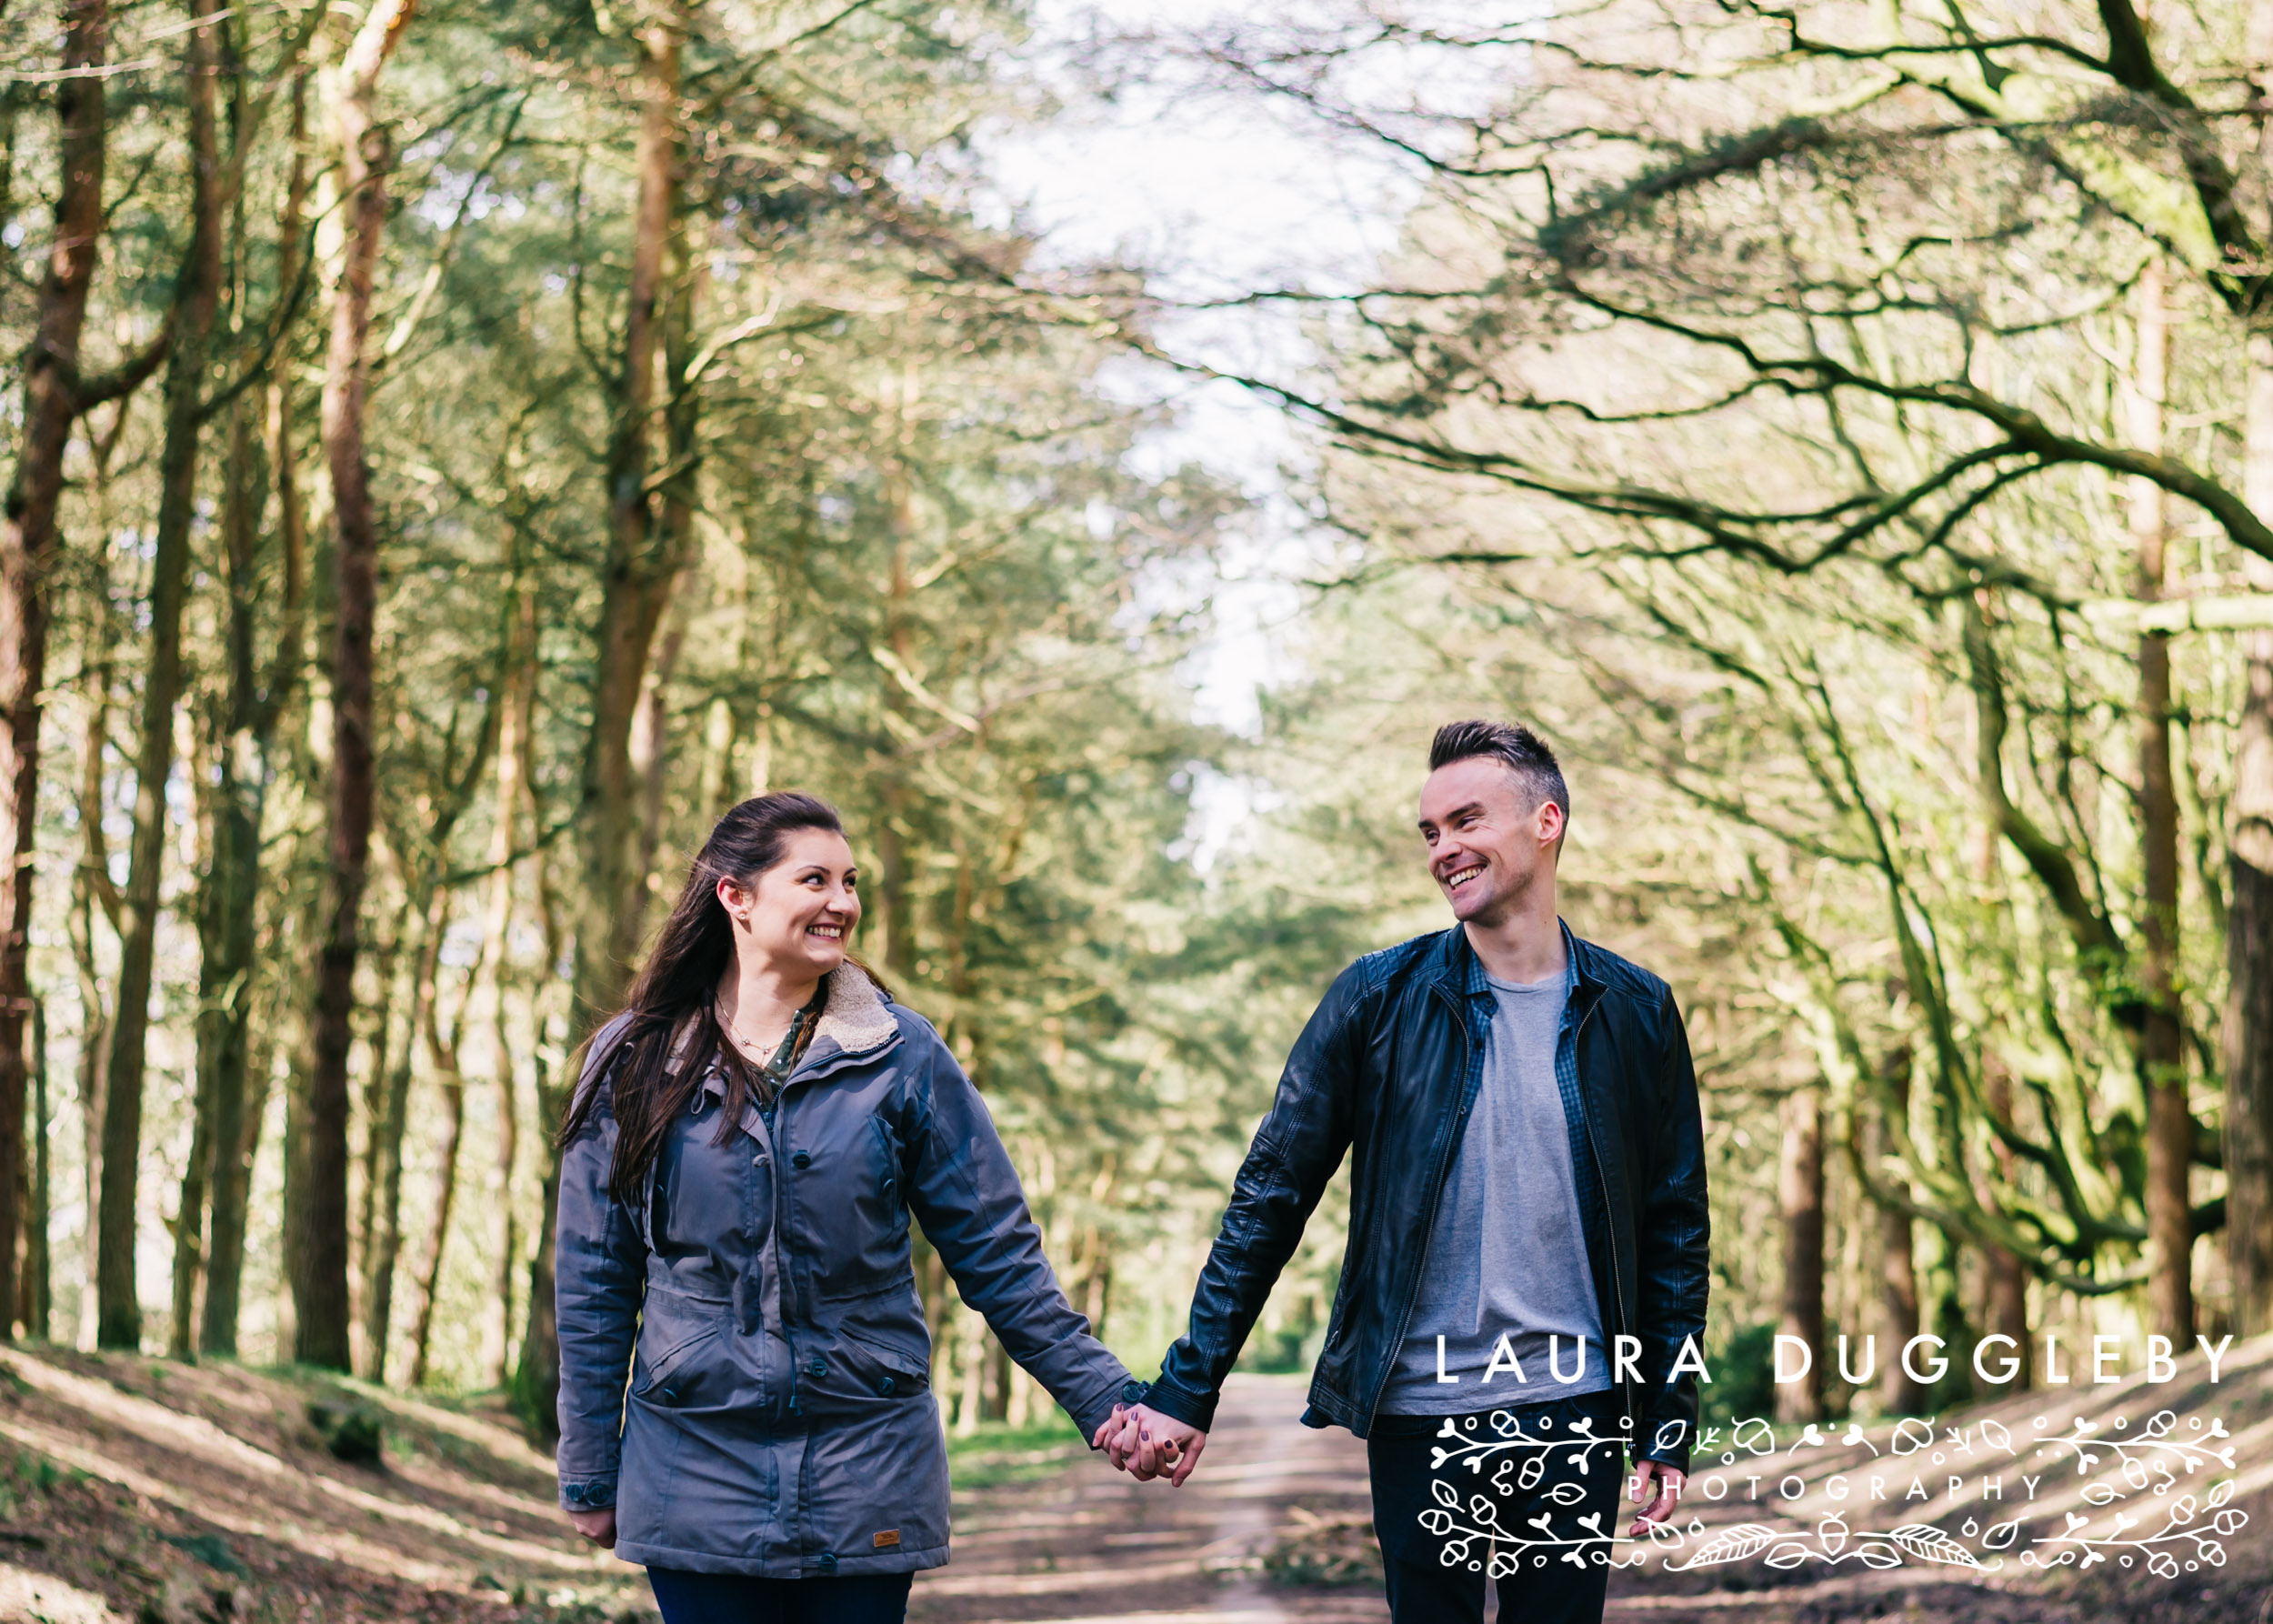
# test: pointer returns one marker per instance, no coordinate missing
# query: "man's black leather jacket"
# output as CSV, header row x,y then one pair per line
x,y
1384,1070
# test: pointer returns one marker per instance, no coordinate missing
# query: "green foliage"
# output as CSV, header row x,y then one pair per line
x,y
1744,1379
997,1454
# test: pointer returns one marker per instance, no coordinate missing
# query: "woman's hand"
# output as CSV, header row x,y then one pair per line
x,y
599,1527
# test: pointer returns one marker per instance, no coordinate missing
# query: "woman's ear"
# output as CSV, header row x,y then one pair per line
x,y
734,899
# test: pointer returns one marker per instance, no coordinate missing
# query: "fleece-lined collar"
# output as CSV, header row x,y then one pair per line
x,y
855,1017
855,1014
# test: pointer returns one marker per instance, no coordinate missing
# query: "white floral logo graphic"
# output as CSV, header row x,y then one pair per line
x,y
1980,1494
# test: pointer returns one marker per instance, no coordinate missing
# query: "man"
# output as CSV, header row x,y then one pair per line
x,y
1526,1258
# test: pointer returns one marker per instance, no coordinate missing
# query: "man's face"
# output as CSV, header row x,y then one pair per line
x,y
1487,848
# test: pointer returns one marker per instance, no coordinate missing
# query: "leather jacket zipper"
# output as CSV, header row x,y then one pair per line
x,y
1467,1041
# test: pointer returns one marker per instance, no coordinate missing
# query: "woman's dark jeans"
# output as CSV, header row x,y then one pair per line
x,y
1552,1576
737,1599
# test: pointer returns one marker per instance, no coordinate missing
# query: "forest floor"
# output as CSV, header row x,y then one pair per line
x,y
140,1491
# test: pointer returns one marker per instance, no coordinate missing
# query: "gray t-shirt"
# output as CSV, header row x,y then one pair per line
x,y
1509,1252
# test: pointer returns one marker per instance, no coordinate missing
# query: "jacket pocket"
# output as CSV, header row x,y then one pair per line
x,y
851,1373
680,1340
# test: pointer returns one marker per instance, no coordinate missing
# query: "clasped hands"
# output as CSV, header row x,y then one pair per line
x,y
1144,1443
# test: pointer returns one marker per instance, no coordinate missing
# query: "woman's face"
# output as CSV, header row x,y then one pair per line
x,y
797,915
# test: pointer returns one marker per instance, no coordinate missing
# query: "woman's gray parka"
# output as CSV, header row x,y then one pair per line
x,y
778,1418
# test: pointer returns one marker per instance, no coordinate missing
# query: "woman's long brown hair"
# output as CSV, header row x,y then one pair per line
x,y
681,978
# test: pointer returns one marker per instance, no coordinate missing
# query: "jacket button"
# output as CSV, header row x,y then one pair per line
x,y
816,1368
885,1387
825,1561
1132,1392
803,1158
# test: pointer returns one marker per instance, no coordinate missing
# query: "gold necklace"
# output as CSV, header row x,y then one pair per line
x,y
752,1046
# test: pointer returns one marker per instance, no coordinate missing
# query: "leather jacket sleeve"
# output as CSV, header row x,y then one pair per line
x,y
1296,1151
1673,1230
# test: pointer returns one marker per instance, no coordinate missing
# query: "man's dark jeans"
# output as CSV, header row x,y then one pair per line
x,y
1452,1511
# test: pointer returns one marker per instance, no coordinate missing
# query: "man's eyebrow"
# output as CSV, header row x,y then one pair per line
x,y
1455,812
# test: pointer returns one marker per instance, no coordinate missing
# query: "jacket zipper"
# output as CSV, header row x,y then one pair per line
x,y
791,1287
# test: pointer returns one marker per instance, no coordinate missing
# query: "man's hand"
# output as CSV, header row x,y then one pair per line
x,y
1144,1443
1658,1490
599,1527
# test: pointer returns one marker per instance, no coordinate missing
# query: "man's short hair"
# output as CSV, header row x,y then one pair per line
x,y
1515,747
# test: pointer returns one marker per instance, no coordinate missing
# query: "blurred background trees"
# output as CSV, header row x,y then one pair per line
x,y
456,452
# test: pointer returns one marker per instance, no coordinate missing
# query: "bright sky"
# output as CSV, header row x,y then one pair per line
x,y
1217,192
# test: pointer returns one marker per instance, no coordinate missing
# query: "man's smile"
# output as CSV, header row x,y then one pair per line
x,y
1459,878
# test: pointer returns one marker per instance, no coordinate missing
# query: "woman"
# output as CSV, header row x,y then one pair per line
x,y
749,1138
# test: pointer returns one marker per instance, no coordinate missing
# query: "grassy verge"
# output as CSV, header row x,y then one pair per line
x,y
996,1455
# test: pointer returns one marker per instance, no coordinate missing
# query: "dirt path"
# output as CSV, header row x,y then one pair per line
x,y
1092,1545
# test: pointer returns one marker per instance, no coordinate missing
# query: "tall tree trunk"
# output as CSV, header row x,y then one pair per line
x,y
386,1109
650,535
39,1309
1897,1259
514,745
92,894
228,893
2249,1024
118,1309
2169,1123
1800,1195
317,1226
382,1246
210,782
536,1377
94,1050
2247,1039
236,1142
443,1049
229,921
27,550
2006,1309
